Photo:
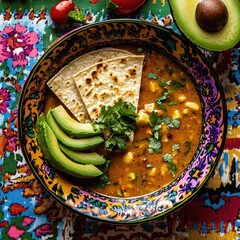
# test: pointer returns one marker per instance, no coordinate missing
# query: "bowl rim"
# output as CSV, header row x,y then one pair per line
x,y
135,21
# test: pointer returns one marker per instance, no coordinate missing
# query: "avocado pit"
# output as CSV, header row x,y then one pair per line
x,y
211,15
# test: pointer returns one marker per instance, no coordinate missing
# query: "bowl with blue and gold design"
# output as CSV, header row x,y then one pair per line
x,y
128,122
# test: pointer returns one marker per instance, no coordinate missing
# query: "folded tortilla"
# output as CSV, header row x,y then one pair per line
x,y
62,84
104,83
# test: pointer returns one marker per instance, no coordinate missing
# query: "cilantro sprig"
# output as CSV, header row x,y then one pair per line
x,y
156,127
154,144
119,120
171,165
76,15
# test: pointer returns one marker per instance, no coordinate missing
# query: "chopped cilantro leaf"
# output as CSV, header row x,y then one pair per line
x,y
171,165
154,119
172,168
171,122
156,122
149,165
162,99
171,103
167,157
154,145
152,75
116,142
175,147
161,83
164,96
179,84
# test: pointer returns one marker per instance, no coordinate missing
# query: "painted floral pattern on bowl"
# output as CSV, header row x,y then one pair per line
x,y
162,201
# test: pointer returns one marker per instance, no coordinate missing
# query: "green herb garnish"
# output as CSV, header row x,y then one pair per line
x,y
156,122
152,75
171,103
171,165
171,122
167,157
175,147
162,83
179,84
172,168
165,97
154,144
119,120
149,165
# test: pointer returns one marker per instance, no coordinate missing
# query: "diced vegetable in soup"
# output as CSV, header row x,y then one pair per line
x,y
168,129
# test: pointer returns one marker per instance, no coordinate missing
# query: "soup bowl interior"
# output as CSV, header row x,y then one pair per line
x,y
115,33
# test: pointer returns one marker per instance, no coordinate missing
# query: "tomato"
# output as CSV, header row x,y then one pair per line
x,y
127,6
59,12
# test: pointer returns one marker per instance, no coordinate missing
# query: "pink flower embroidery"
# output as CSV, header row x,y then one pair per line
x,y
15,43
4,96
15,232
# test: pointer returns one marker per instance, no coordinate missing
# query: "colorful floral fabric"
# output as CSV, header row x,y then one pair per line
x,y
28,212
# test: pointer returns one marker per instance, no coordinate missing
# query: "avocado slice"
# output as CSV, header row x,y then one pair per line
x,y
50,148
184,14
71,126
77,144
82,157
40,125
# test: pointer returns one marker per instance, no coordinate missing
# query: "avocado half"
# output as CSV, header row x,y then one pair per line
x,y
184,15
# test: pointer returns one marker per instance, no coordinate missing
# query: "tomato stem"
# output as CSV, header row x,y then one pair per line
x,y
111,6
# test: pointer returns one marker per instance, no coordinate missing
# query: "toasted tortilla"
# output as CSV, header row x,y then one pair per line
x,y
104,83
62,84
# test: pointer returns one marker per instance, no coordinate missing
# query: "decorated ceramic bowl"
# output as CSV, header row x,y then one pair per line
x,y
156,203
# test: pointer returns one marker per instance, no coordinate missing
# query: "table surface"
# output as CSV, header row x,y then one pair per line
x,y
28,212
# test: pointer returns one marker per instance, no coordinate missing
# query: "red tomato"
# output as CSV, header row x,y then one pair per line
x,y
128,6
59,12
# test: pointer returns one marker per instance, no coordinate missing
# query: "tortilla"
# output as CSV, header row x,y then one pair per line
x,y
62,84
104,83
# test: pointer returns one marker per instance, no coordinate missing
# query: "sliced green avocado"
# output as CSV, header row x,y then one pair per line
x,y
77,144
40,137
71,126
82,157
184,15
52,152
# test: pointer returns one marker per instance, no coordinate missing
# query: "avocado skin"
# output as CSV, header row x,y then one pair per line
x,y
82,157
50,148
78,144
221,40
71,126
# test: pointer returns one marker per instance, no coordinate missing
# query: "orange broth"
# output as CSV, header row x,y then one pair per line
x,y
136,172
